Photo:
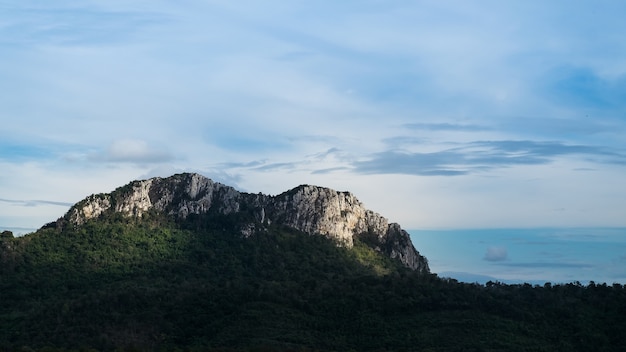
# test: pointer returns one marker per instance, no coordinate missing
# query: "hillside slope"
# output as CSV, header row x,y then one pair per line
x,y
309,209
178,270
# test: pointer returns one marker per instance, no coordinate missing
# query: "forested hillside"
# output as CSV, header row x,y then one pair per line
x,y
159,284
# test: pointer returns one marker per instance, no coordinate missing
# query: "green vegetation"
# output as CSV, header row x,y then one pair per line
x,y
157,284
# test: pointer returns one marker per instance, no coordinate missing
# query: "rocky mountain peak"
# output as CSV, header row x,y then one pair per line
x,y
322,210
310,209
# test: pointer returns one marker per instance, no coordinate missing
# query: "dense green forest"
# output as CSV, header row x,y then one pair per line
x,y
156,284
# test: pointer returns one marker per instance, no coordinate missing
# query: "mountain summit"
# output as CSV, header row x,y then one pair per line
x,y
310,209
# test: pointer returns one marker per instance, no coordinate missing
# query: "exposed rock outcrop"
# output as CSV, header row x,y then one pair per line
x,y
310,209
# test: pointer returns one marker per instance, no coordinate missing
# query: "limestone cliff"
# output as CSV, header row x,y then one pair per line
x,y
310,209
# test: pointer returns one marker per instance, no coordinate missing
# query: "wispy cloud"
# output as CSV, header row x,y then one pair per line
x,y
73,25
34,202
315,163
330,170
444,163
447,127
480,156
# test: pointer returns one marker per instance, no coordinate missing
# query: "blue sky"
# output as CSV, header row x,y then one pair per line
x,y
436,114
537,255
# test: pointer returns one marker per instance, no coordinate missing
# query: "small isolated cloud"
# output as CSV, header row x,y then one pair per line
x,y
133,151
496,254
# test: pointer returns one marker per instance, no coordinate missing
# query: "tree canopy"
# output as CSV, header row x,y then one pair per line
x,y
157,284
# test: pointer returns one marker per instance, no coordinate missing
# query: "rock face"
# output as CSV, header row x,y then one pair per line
x,y
310,209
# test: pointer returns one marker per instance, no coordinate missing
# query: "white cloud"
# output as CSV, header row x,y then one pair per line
x,y
133,151
496,254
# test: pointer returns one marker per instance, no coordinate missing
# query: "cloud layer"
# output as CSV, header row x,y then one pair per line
x,y
435,114
481,156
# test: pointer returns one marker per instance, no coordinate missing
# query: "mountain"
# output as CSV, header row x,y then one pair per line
x,y
186,264
309,209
